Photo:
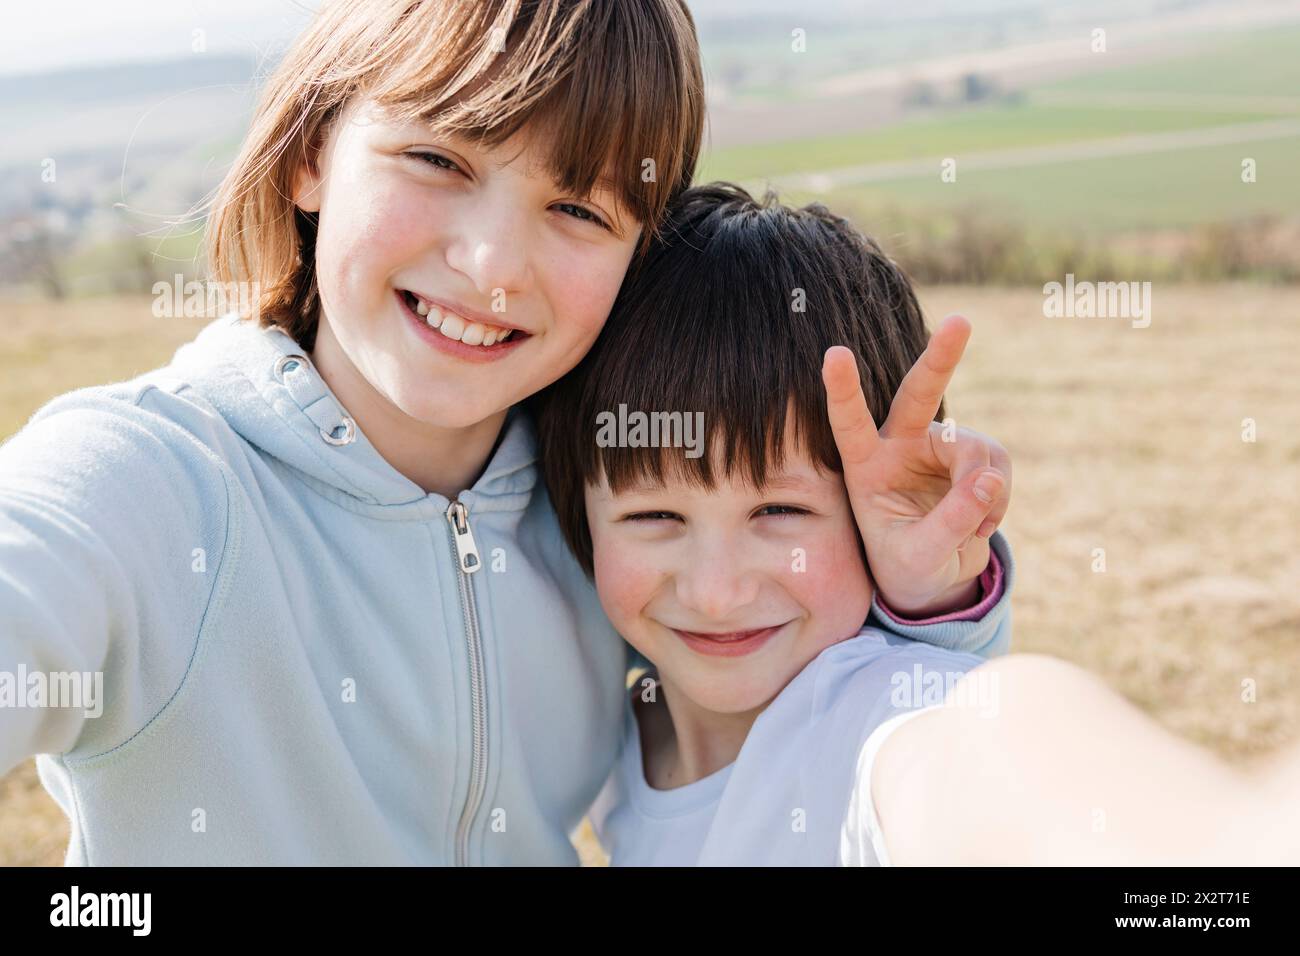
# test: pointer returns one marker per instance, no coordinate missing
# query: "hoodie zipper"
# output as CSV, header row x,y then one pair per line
x,y
467,562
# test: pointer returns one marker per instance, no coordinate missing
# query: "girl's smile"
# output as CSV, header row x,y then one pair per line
x,y
450,329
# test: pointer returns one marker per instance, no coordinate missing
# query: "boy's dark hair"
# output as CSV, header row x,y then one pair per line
x,y
730,314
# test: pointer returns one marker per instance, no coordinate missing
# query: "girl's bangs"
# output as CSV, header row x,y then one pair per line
x,y
613,104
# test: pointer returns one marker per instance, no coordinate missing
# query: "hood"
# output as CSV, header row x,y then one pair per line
x,y
267,389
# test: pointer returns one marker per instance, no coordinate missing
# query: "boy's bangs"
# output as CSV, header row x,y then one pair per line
x,y
747,392
743,444
603,85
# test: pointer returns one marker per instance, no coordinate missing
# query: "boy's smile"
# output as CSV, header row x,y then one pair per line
x,y
728,643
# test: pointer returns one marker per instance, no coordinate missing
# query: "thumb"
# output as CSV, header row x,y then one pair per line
x,y
959,514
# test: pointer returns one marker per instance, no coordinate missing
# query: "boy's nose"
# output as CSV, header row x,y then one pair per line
x,y
717,587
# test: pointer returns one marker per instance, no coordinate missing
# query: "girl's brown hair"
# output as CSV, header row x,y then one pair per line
x,y
610,84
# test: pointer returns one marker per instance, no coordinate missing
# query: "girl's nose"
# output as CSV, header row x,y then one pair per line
x,y
489,248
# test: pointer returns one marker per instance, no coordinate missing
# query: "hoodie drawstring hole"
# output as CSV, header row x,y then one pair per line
x,y
341,434
287,363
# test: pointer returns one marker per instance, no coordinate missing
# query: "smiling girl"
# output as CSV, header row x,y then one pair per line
x,y
333,608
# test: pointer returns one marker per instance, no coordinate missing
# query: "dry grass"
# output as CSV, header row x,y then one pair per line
x,y
1124,439
1131,440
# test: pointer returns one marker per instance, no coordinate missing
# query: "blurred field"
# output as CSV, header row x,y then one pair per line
x,y
1123,439
960,133
1256,63
1120,155
1111,194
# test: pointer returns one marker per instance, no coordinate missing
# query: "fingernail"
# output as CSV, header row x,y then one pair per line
x,y
988,486
986,529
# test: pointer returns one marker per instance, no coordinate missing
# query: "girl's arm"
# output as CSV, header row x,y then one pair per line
x,y
112,529
983,630
1055,768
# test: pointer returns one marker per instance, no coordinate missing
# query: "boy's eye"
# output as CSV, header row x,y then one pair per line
x,y
651,516
581,212
779,511
437,160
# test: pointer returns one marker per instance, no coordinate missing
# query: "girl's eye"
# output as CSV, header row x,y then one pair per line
x,y
779,511
437,160
581,212
651,516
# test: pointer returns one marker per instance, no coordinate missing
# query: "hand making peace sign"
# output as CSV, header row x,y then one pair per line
x,y
925,507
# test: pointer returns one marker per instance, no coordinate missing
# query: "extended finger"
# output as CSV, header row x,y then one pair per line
x,y
918,397
846,406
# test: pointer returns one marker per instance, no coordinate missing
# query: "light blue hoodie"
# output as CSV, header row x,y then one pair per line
x,y
306,659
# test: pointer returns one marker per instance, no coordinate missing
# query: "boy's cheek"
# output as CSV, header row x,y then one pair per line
x,y
625,582
831,580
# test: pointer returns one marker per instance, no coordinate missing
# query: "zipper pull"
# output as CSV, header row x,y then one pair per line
x,y
466,550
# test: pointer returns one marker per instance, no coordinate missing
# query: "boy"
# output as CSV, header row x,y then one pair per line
x,y
775,728
733,571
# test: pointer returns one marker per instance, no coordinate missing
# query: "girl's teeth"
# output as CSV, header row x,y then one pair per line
x,y
453,326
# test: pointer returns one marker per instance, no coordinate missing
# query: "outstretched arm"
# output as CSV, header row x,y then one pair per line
x,y
103,509
1055,768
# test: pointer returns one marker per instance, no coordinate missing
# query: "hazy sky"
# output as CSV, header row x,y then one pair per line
x,y
42,35
53,34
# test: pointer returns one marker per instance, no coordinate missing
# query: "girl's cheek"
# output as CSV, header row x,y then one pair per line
x,y
373,210
393,230
358,246
586,283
